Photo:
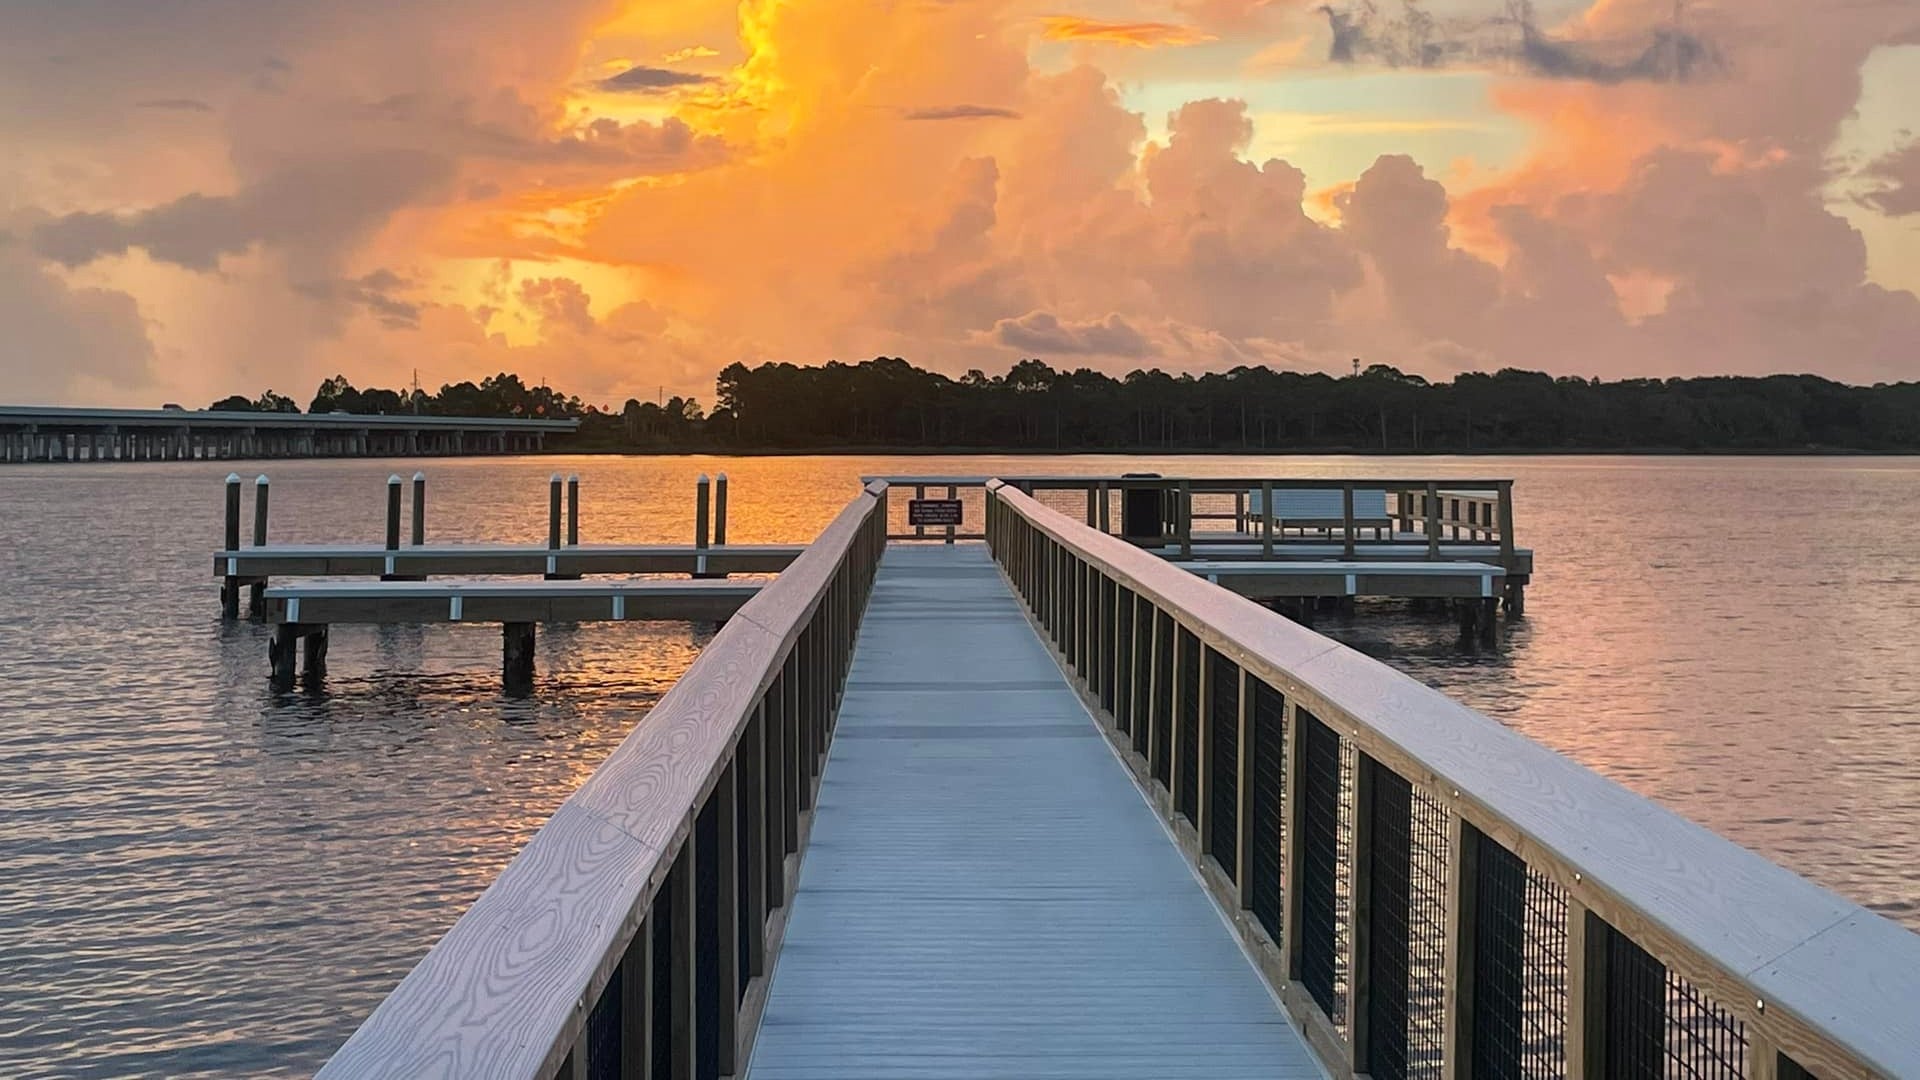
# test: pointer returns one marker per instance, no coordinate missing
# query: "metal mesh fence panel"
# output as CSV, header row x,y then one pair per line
x,y
1704,1041
1320,935
1188,802
708,995
1266,804
1163,699
1123,657
1520,968
1108,627
1634,1044
603,1032
1406,925
1223,750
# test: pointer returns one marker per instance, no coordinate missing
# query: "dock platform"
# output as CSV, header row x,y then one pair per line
x,y
986,892
252,564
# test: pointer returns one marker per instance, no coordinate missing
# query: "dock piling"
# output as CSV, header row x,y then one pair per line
x,y
257,587
230,585
573,510
720,510
419,509
553,512
393,512
702,492
516,657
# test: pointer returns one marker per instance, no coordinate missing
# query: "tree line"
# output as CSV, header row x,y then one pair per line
x,y
888,403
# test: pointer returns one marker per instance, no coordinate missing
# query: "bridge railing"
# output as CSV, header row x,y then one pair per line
x,y
634,934
1430,893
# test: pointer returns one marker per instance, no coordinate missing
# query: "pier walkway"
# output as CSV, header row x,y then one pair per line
x,y
986,893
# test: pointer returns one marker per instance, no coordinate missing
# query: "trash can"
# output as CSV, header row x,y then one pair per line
x,y
1141,511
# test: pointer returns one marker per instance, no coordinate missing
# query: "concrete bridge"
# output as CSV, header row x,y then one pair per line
x,y
1052,806
43,434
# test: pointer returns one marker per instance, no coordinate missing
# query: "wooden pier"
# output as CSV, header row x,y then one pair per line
x,y
1085,814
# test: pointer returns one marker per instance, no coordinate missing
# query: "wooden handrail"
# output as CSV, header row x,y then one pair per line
x,y
1813,977
508,990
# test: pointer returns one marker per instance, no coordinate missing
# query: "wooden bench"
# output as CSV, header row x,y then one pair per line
x,y
1323,510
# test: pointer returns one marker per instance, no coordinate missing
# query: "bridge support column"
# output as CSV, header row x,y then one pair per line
x,y
516,657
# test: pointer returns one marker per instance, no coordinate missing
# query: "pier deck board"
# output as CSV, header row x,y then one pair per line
x,y
320,603
436,560
985,893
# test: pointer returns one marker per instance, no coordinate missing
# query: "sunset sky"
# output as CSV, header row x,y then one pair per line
x,y
201,197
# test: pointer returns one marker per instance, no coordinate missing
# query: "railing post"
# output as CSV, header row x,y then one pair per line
x,y
230,537
1507,560
1433,521
952,493
1346,517
1457,951
702,493
1153,711
1106,511
757,781
1203,749
919,492
720,510
636,1004
1292,851
1586,994
1183,508
553,512
1266,519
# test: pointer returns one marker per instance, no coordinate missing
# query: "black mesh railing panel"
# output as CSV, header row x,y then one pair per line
x,y
1188,802
1123,648
1320,933
745,774
707,993
1142,672
603,1033
660,918
1266,804
1163,700
1108,627
1634,1044
1520,968
1406,930
1704,1041
1223,751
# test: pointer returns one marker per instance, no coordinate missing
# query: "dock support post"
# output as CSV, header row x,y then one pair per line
x,y
256,591
702,496
1183,511
952,493
393,512
314,655
573,510
230,587
516,656
553,512
720,510
419,509
1516,598
1266,519
282,655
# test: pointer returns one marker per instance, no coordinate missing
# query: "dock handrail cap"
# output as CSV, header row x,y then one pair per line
x,y
419,476
261,480
394,479
554,479
573,479
233,478
722,476
703,479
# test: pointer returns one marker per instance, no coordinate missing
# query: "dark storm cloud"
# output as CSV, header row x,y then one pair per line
x,y
652,80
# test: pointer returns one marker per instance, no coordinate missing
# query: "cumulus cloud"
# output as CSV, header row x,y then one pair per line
x,y
642,79
963,112
1143,35
61,341
1897,180
1044,334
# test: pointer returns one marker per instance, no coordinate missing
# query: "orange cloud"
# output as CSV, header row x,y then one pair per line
x,y
1141,35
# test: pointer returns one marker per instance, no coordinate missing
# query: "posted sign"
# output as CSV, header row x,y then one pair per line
x,y
922,512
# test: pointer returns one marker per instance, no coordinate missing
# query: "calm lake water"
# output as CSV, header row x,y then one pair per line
x,y
201,878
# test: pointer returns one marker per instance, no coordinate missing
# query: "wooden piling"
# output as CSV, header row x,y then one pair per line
x,y
283,654
720,510
553,512
516,656
573,510
314,655
256,588
230,585
393,512
419,509
702,494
